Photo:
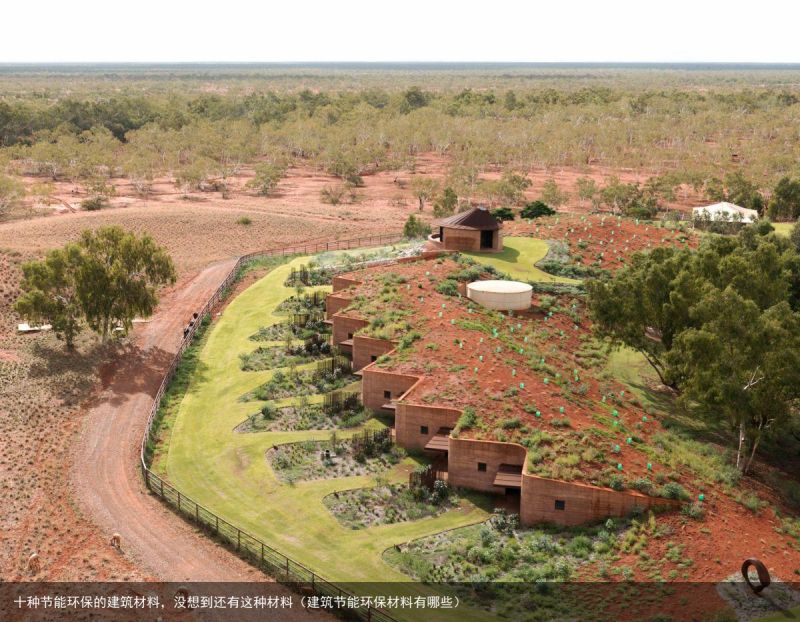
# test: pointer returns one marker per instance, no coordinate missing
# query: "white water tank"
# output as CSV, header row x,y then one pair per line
x,y
501,295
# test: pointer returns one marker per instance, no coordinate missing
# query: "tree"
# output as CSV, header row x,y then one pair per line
x,y
536,209
735,189
268,174
643,305
118,277
721,325
415,228
445,205
11,191
424,189
587,189
628,199
50,292
785,202
794,235
552,194
414,98
742,191
740,367
512,186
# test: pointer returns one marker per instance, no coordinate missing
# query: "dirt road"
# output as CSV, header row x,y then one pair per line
x,y
106,474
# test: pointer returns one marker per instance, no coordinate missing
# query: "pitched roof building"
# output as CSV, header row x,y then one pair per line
x,y
474,230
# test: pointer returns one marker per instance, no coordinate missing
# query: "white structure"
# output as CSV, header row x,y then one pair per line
x,y
725,212
501,295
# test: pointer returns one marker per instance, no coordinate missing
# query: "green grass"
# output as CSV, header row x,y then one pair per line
x,y
783,228
518,259
781,616
228,472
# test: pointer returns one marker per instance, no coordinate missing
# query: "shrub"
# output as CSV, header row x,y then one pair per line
x,y
503,213
244,220
94,203
334,195
535,209
415,228
467,420
617,482
693,510
673,490
643,485
447,287
511,424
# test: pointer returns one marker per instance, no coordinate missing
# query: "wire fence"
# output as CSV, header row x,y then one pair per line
x,y
276,564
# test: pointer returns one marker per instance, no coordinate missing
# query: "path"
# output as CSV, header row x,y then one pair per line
x,y
106,467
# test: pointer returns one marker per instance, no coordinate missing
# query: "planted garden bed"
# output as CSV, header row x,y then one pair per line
x,y
302,417
293,383
304,329
506,560
389,503
302,303
309,460
272,357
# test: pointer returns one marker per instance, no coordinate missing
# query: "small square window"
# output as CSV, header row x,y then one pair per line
x,y
373,358
349,335
561,504
423,429
387,395
482,466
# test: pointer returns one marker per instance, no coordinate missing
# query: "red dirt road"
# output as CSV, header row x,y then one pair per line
x,y
106,472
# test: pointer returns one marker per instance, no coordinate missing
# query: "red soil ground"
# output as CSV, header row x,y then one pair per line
x,y
200,227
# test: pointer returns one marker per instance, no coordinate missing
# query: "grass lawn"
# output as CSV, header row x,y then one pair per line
x,y
784,228
228,471
517,260
781,616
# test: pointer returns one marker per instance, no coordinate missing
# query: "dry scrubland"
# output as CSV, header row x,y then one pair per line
x,y
179,145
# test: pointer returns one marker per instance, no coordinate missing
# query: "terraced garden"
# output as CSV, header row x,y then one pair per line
x,y
214,456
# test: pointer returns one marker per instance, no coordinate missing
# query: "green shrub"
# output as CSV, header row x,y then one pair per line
x,y
503,213
535,209
94,203
617,482
673,490
467,420
693,510
244,220
447,287
643,485
511,424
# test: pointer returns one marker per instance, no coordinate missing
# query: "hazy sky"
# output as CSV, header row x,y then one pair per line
x,y
409,30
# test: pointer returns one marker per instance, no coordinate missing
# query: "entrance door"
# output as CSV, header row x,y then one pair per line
x,y
486,239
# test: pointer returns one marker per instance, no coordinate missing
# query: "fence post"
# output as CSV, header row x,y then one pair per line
x,y
262,553
179,499
238,538
161,481
197,513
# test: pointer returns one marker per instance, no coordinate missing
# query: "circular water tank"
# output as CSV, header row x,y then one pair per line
x,y
501,295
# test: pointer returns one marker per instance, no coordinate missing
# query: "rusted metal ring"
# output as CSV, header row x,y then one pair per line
x,y
763,574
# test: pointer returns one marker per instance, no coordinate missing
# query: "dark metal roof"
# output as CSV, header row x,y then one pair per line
x,y
477,218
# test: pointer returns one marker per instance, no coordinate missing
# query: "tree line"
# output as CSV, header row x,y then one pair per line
x,y
682,137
